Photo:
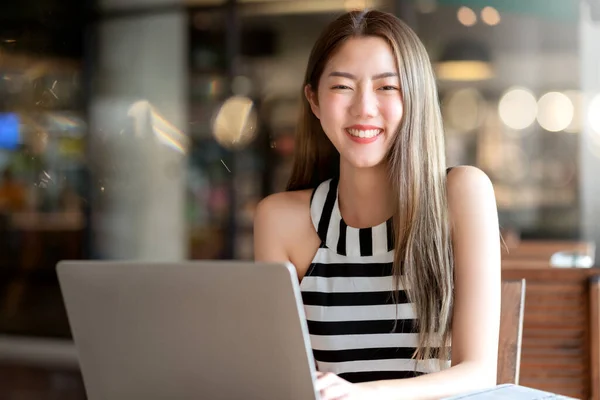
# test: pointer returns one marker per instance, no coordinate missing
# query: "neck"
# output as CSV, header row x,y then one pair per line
x,y
365,197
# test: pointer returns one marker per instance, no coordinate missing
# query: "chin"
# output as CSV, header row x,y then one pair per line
x,y
361,156
365,162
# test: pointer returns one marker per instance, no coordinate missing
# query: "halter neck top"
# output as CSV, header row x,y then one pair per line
x,y
356,329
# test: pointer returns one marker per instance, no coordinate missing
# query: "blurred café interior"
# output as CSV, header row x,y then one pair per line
x,y
150,130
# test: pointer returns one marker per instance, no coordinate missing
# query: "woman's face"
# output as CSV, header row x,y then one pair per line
x,y
358,100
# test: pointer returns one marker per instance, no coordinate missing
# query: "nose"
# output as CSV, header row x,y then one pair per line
x,y
364,104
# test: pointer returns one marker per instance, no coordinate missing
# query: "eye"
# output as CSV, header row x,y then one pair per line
x,y
389,88
340,87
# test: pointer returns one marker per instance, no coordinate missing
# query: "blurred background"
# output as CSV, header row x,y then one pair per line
x,y
150,129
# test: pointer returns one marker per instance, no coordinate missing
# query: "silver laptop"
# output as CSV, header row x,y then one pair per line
x,y
193,330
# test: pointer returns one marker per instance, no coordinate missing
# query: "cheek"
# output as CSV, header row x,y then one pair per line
x,y
393,111
332,107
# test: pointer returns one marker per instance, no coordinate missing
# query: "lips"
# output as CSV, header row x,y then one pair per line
x,y
364,133
367,133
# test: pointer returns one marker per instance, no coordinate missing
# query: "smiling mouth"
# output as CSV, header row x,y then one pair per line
x,y
364,133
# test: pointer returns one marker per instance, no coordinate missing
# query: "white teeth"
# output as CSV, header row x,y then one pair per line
x,y
364,134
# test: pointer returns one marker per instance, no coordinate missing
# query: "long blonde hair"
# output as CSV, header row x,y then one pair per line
x,y
423,260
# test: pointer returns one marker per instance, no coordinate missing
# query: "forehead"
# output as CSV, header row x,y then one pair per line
x,y
368,54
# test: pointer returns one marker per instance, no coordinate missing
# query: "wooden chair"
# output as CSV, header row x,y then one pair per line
x,y
561,330
511,331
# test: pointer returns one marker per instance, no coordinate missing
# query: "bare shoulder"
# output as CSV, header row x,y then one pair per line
x,y
284,202
280,209
280,222
470,195
467,177
471,199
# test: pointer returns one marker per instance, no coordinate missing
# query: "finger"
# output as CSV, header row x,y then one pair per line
x,y
318,375
326,380
336,392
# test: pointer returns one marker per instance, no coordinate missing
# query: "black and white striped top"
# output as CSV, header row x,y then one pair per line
x,y
349,303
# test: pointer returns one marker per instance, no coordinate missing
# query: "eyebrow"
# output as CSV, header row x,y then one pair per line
x,y
353,77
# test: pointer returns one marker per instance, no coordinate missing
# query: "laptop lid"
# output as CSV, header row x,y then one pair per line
x,y
190,330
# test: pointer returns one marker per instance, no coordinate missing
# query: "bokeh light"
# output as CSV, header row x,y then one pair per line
x,y
555,111
466,16
518,108
490,16
594,115
464,109
235,124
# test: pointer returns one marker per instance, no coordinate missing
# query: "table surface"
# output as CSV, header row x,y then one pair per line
x,y
513,392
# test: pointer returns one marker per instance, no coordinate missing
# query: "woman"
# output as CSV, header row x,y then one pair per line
x,y
399,261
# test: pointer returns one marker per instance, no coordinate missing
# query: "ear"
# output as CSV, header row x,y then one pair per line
x,y
313,100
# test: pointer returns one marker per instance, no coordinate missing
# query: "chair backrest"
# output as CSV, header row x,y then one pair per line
x,y
511,331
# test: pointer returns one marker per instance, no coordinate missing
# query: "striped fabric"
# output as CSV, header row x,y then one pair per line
x,y
356,329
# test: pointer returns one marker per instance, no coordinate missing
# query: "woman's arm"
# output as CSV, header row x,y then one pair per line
x,y
269,236
476,320
283,230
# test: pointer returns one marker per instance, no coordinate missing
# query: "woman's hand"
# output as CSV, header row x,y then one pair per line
x,y
332,387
